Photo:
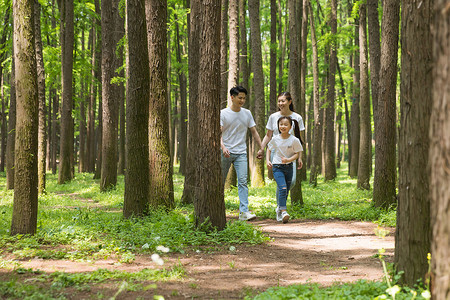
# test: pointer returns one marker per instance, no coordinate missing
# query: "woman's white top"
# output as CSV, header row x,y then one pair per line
x,y
272,123
284,147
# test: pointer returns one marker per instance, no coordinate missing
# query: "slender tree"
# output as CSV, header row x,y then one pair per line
x,y
138,78
243,61
10,141
330,111
257,174
25,206
365,155
109,97
224,53
317,149
413,234
355,116
160,180
66,139
273,57
375,55
439,150
384,186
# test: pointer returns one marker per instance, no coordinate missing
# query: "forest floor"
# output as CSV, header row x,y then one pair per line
x,y
301,251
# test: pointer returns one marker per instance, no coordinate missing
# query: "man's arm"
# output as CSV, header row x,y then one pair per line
x,y
258,141
225,151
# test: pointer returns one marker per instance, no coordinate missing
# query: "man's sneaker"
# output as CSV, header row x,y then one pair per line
x,y
246,216
278,211
284,216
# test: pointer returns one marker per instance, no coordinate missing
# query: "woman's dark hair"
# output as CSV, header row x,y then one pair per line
x,y
288,97
237,89
296,127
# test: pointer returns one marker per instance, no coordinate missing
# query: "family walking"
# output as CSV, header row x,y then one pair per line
x,y
282,139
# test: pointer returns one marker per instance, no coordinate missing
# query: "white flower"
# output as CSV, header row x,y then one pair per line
x,y
145,246
232,248
393,290
157,259
426,294
162,249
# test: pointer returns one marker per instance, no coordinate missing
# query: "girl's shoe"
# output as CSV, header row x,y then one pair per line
x,y
285,216
278,211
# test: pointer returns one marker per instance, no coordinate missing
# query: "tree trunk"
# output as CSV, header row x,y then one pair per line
x,y
42,132
120,32
273,57
98,146
355,116
375,54
317,139
55,129
193,133
183,103
224,54
3,119
160,178
282,45
243,61
439,163
413,234
209,198
82,166
384,186
25,206
66,140
257,174
10,142
137,175
330,135
365,153
303,74
96,52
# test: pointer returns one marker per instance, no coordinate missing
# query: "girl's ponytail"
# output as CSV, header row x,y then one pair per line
x,y
297,131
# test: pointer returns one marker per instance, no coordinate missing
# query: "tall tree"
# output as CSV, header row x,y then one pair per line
x,y
303,74
119,34
439,153
233,65
384,186
109,11
243,61
273,57
66,139
10,141
224,53
137,175
25,206
365,153
317,139
42,132
160,180
330,111
355,116
257,176
374,54
3,134
413,234
209,198
193,132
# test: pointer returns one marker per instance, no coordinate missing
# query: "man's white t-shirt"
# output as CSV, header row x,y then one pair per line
x,y
235,126
284,147
272,123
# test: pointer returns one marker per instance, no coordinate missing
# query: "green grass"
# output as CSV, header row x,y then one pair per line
x,y
78,222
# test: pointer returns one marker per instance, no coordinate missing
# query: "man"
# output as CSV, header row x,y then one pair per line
x,y
234,123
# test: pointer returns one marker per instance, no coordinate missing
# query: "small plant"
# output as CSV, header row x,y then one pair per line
x,y
231,264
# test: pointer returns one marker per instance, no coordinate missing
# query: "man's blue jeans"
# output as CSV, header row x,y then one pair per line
x,y
240,165
283,176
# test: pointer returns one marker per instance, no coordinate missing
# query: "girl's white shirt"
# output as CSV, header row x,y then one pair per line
x,y
284,147
272,123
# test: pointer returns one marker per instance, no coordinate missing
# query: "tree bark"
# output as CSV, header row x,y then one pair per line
x,y
209,198
303,74
317,139
365,153
384,186
66,139
42,132
119,34
137,150
243,61
10,141
257,174
375,54
109,98
273,57
224,54
160,178
439,160
413,234
330,135
355,116
25,206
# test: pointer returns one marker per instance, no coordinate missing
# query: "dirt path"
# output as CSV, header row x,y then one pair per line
x,y
301,251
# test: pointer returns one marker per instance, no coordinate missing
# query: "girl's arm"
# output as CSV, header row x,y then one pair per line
x,y
268,162
285,160
267,138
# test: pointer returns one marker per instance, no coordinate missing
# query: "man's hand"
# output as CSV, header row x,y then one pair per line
x,y
260,154
226,152
284,160
300,164
269,164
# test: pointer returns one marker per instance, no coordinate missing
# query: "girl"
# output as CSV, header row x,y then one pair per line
x,y
286,148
